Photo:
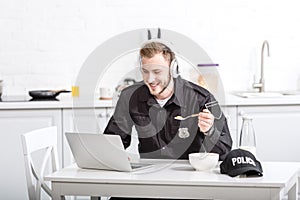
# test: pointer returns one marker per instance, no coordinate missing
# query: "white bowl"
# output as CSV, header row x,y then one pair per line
x,y
204,161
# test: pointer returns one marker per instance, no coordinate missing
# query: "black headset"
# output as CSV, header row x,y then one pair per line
x,y
174,69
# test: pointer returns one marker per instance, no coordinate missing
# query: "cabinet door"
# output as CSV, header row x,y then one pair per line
x,y
13,123
83,120
276,131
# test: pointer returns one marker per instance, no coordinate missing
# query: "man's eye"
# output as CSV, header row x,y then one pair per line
x,y
144,71
157,72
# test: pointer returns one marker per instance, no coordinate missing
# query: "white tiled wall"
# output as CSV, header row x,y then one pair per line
x,y
44,43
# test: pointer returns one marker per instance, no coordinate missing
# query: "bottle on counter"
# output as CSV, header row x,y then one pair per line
x,y
247,136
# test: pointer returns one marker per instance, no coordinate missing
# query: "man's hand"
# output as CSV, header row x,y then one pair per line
x,y
205,120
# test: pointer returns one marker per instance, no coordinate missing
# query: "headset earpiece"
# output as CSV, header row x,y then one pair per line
x,y
140,64
174,68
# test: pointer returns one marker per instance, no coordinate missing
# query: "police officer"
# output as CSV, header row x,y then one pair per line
x,y
153,105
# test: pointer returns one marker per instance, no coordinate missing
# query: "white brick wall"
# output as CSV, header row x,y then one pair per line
x,y
44,43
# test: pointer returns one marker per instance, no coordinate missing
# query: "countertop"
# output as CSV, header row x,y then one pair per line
x,y
233,100
63,102
69,103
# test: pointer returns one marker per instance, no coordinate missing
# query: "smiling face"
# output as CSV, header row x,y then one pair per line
x,y
157,77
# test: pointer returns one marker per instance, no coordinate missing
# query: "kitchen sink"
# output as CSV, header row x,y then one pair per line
x,y
290,92
259,94
266,94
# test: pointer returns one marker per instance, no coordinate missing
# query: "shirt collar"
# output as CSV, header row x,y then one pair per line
x,y
176,98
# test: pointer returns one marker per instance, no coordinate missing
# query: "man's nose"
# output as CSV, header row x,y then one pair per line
x,y
151,78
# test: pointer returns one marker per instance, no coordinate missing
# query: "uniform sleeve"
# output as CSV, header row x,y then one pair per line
x,y
219,140
120,123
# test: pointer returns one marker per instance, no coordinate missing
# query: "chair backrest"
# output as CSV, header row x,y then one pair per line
x,y
36,140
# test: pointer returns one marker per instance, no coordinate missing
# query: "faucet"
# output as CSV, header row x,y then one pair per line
x,y
261,84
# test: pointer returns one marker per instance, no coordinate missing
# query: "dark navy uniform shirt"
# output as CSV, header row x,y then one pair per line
x,y
158,131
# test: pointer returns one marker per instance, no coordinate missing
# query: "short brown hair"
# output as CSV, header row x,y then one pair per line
x,y
152,48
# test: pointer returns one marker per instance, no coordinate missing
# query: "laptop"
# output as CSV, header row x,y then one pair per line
x,y
100,151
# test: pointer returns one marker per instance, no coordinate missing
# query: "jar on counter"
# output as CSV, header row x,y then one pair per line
x,y
209,77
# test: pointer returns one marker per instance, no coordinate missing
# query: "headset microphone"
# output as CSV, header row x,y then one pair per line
x,y
170,78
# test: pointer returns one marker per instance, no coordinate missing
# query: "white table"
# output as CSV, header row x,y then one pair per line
x,y
177,180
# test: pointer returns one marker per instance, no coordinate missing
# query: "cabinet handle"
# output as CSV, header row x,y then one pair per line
x,y
101,115
104,115
242,113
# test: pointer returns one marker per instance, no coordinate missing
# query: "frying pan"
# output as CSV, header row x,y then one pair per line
x,y
46,94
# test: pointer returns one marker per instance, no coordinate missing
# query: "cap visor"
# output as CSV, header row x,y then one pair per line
x,y
249,171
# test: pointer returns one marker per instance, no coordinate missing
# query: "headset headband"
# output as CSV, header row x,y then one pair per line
x,y
173,62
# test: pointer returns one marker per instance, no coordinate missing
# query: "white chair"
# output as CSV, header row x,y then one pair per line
x,y
38,140
45,138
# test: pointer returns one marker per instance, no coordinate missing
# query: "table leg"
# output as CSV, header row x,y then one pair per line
x,y
56,192
293,192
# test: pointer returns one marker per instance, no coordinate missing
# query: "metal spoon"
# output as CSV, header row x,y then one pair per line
x,y
184,118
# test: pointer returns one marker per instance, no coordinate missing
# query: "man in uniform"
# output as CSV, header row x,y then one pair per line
x,y
153,105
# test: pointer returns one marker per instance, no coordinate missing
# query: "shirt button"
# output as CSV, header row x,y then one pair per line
x,y
164,148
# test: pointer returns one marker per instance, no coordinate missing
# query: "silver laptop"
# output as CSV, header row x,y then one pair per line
x,y
100,151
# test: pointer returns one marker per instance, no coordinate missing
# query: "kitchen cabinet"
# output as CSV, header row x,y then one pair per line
x,y
84,120
14,123
276,131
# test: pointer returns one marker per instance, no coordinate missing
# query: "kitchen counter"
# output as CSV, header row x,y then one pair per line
x,y
233,100
67,102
